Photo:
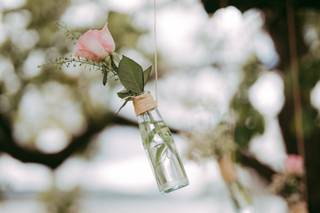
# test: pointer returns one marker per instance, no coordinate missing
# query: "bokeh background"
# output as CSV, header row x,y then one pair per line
x,y
63,149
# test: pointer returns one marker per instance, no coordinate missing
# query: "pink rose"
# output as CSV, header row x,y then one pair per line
x,y
95,44
294,165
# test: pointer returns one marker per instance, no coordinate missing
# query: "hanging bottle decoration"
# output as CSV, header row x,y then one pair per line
x,y
241,198
218,143
159,145
157,139
95,50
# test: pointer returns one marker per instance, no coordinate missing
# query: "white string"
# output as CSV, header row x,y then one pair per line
x,y
155,48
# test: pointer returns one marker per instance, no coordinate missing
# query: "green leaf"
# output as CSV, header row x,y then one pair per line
x,y
160,151
146,75
124,104
105,78
131,75
124,94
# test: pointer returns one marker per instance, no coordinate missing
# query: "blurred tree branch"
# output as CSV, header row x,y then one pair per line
x,y
212,5
262,169
8,145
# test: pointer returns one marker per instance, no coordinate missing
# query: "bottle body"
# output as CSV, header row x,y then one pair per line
x,y
241,198
162,153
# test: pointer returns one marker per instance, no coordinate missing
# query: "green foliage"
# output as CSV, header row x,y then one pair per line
x,y
124,94
131,75
151,130
249,121
45,15
44,12
124,104
58,201
123,32
160,152
309,75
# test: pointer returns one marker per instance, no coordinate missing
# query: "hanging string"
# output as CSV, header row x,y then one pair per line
x,y
155,48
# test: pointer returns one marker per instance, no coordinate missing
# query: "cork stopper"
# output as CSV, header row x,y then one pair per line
x,y
143,103
227,168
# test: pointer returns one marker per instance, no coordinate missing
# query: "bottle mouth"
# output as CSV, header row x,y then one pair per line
x,y
143,103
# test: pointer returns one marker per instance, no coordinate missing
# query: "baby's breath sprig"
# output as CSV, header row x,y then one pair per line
x,y
107,66
69,34
215,143
72,61
77,61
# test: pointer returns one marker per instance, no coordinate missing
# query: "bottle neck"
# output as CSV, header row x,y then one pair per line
x,y
143,103
152,115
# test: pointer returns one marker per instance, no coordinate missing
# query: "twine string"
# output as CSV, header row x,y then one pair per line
x,y
155,48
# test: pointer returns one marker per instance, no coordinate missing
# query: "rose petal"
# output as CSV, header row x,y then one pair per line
x,y
90,42
95,44
106,39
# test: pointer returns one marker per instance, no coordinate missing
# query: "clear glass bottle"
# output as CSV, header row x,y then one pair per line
x,y
242,200
162,153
